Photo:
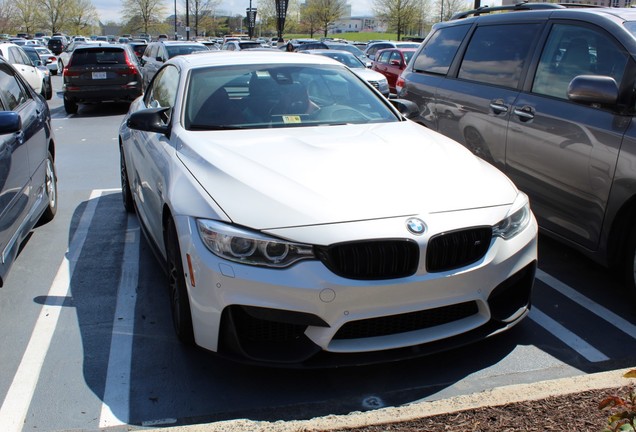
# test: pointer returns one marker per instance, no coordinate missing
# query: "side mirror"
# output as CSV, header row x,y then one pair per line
x,y
593,89
407,108
10,122
149,120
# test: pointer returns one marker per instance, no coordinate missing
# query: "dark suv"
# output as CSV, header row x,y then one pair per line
x,y
157,53
98,73
549,97
56,44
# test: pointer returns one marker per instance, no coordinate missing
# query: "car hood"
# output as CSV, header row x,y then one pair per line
x,y
368,74
277,178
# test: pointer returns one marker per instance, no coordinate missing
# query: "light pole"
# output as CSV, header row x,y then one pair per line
x,y
175,19
187,21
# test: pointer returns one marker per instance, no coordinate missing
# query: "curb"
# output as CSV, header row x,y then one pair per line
x,y
495,397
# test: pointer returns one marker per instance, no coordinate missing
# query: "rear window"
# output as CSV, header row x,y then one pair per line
x,y
183,49
97,57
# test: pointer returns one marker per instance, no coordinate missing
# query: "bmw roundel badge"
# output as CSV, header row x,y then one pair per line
x,y
415,226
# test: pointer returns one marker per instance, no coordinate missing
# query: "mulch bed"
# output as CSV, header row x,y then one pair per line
x,y
575,412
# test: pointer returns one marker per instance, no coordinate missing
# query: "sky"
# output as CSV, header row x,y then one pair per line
x,y
110,10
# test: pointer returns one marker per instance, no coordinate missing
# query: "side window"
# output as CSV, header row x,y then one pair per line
x,y
438,53
384,57
395,56
25,58
14,56
498,54
572,50
13,92
163,92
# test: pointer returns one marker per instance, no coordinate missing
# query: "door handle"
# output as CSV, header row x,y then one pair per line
x,y
498,106
525,113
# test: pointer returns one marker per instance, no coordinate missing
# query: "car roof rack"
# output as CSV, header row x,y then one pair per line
x,y
515,7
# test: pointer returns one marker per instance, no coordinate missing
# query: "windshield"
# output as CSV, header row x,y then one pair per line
x,y
346,59
261,96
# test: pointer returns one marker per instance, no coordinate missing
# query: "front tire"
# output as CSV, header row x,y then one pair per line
x,y
50,185
179,301
126,193
47,90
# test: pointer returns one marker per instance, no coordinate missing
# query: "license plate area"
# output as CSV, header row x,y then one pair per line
x,y
99,75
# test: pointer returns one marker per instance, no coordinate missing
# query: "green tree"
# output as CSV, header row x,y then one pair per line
x,y
399,15
328,11
27,15
148,12
82,17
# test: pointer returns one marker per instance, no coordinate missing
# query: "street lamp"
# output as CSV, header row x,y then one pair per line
x,y
175,19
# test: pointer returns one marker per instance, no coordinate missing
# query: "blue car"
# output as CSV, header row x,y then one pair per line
x,y
28,182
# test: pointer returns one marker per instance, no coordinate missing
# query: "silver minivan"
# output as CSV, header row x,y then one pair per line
x,y
549,97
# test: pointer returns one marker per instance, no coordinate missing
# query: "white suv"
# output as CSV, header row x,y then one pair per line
x,y
21,61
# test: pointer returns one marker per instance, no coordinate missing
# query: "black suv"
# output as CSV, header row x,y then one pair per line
x,y
98,73
56,45
549,97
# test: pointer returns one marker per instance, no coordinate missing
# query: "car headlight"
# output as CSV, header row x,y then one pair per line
x,y
249,247
517,219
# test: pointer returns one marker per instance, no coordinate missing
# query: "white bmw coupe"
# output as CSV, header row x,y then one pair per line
x,y
304,220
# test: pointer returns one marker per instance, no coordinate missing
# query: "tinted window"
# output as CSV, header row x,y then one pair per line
x,y
13,93
93,57
498,54
571,51
438,53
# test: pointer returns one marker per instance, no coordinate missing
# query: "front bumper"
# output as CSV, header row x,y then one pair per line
x,y
306,316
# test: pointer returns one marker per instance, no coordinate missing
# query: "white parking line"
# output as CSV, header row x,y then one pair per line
x,y
18,399
604,313
571,340
116,403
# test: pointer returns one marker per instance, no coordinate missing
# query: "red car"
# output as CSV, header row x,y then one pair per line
x,y
391,62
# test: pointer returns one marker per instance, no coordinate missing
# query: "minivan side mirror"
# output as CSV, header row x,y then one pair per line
x,y
593,89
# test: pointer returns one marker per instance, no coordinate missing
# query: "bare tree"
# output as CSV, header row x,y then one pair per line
x,y
55,13
149,12
7,16
200,9
449,7
399,15
309,18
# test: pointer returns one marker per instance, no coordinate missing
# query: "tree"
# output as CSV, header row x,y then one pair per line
x,y
326,12
309,18
7,16
82,16
200,9
449,7
27,15
399,15
54,13
149,12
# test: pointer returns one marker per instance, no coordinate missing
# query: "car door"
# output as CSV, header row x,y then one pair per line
x,y
474,107
23,64
563,154
152,153
17,195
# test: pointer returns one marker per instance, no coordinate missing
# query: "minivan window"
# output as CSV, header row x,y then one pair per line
x,y
498,54
575,50
438,53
